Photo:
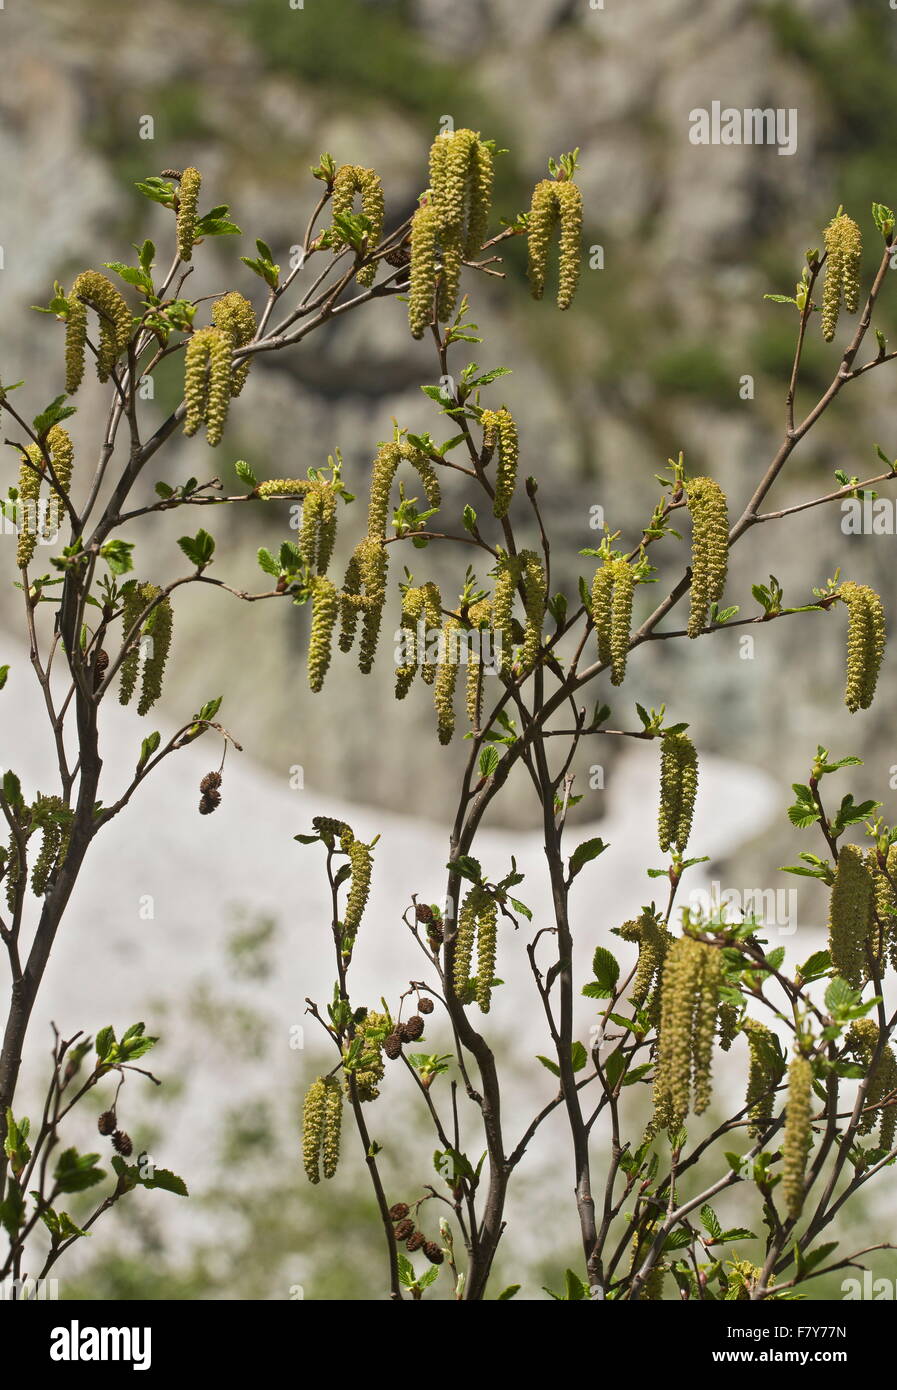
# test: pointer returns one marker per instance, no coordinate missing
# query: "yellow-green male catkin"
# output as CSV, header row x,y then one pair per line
x,y
865,643
765,1067
500,431
678,791
313,1128
389,456
423,272
535,599
479,617
27,505
507,572
654,940
207,382
333,1115
96,290
235,316
850,915
798,1136
317,534
432,615
132,607
692,978
612,594
54,819
461,177
709,548
465,936
446,679
362,864
285,487
555,202
374,562
157,630
843,251
886,906
862,1039
325,609
412,612
487,946
349,180
62,457
187,208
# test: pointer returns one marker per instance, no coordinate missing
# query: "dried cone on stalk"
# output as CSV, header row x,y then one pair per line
x,y
210,799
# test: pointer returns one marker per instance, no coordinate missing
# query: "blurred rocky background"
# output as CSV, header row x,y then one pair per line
x,y
649,361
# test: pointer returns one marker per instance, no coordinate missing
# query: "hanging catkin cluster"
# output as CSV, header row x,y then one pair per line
x,y
53,818
93,289
386,463
153,639
477,921
612,592
709,548
692,978
479,617
321,1120
28,505
324,612
765,1067
449,226
62,457
843,250
885,934
361,862
798,1137
187,209
678,790
372,1030
865,643
500,432
349,180
317,534
513,570
862,1039
555,201
235,316
446,679
654,942
850,920
61,452
207,382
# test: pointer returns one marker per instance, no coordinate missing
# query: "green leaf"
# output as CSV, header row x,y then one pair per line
x,y
509,1292
53,415
147,749
12,788
117,554
4,672
467,867
710,1222
245,473
606,970
548,1064
104,1040
614,1067
489,760
578,1056
132,275
588,850
268,562
198,549
76,1172
840,996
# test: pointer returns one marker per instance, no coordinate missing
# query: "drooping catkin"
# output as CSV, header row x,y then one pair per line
x,y
27,506
317,533
692,978
96,290
446,680
325,609
207,382
886,907
555,202
132,606
362,864
235,316
465,936
62,457
285,487
388,458
423,273
349,180
612,593
678,791
332,1123
500,432
461,175
765,1068
487,946
535,598
54,819
313,1128
187,209
709,548
507,572
479,617
865,643
157,632
862,1039
798,1137
412,612
374,562
843,249
850,915
654,940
